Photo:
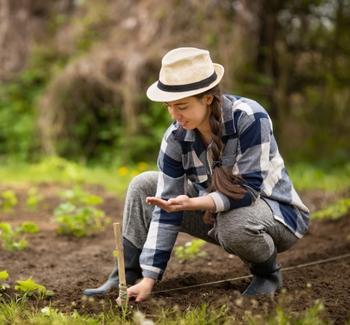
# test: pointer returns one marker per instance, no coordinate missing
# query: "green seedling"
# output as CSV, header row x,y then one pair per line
x,y
190,250
13,239
30,288
333,211
79,197
79,221
78,216
8,200
33,198
3,277
28,227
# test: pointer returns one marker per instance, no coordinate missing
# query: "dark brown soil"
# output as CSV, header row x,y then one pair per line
x,y
68,265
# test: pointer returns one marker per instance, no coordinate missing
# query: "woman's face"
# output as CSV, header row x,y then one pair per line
x,y
191,112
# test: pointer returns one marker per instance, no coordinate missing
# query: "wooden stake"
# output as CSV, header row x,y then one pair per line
x,y
123,295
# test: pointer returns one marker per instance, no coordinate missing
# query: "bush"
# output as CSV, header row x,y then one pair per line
x,y
18,98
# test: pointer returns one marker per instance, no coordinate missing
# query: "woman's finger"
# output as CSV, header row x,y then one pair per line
x,y
171,205
154,200
159,202
139,298
131,292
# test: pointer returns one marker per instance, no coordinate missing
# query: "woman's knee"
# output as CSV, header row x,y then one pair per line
x,y
145,182
249,245
239,236
231,226
230,237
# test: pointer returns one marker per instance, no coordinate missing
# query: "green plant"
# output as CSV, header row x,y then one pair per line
x,y
8,200
3,277
325,176
29,287
312,315
28,227
77,216
13,239
78,196
190,250
33,198
79,221
333,211
21,313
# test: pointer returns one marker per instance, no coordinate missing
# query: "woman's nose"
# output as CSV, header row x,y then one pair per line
x,y
174,113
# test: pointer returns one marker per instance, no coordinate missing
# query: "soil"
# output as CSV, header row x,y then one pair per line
x,y
68,265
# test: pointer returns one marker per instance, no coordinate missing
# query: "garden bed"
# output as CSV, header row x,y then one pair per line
x,y
67,265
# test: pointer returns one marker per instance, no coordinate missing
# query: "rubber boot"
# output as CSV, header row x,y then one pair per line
x,y
267,278
132,271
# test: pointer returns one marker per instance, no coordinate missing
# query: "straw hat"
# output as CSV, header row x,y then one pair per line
x,y
185,71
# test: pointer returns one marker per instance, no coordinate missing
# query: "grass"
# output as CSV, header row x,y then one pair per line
x,y
21,313
58,170
306,176
116,178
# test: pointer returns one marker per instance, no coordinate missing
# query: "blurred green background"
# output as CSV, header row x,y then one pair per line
x,y
73,74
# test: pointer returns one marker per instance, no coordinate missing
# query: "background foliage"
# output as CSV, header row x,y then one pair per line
x,y
78,91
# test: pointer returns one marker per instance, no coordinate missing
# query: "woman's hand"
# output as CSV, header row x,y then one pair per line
x,y
142,290
179,203
183,203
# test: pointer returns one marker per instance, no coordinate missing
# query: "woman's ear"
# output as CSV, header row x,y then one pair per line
x,y
208,99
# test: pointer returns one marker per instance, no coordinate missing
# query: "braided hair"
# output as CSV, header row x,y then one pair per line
x,y
222,178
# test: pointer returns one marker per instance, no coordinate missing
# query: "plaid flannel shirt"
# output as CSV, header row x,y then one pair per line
x,y
250,151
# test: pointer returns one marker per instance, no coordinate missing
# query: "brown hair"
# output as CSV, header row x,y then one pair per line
x,y
222,178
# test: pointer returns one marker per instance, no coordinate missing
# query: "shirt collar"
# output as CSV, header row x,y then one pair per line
x,y
228,127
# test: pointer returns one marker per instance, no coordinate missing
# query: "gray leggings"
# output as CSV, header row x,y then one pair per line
x,y
251,232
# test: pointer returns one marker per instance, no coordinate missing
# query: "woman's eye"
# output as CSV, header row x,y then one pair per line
x,y
182,108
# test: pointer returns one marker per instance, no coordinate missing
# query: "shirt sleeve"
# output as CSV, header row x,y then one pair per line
x,y
254,138
164,226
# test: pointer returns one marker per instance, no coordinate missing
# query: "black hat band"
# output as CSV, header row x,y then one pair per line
x,y
188,87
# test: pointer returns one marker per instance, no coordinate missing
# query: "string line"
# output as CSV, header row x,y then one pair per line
x,y
326,260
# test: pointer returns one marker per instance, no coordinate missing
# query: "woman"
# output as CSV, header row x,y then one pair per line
x,y
221,178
